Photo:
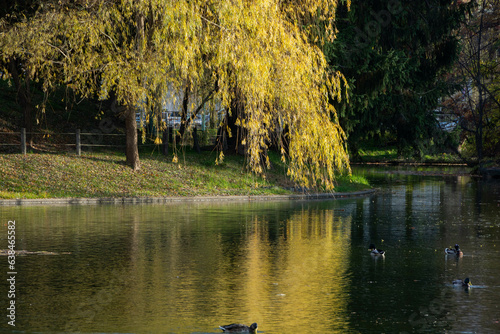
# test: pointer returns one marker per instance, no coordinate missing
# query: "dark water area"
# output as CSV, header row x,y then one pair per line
x,y
295,266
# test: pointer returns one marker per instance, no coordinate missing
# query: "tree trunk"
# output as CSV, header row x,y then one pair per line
x,y
165,140
132,152
185,105
285,140
234,142
479,128
479,81
24,99
196,142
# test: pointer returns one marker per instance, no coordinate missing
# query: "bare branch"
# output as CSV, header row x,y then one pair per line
x,y
215,24
58,49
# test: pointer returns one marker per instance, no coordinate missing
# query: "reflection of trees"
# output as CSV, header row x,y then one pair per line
x,y
207,268
303,274
155,268
418,218
414,208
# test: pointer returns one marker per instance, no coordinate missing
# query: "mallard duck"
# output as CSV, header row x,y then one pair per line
x,y
239,328
465,283
456,251
374,251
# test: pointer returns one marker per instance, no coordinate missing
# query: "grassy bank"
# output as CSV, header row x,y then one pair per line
x,y
390,155
106,175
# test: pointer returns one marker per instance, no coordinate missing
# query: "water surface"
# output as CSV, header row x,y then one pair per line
x,y
289,266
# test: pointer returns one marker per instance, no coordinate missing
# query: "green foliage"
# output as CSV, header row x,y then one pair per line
x,y
393,53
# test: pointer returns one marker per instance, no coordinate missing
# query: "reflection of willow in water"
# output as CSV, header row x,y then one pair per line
x,y
186,269
302,276
270,272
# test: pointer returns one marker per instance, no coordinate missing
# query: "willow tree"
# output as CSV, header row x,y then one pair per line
x,y
273,77
253,54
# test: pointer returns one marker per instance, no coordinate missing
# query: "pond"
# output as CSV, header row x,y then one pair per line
x,y
292,267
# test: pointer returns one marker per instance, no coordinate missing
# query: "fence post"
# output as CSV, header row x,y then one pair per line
x,y
23,140
78,143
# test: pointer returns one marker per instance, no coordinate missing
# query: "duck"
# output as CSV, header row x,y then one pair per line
x,y
456,251
465,283
239,328
375,251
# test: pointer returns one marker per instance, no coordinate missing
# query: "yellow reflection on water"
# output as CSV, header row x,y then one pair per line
x,y
160,270
309,275
296,279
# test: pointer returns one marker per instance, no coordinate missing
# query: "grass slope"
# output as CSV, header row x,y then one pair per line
x,y
106,175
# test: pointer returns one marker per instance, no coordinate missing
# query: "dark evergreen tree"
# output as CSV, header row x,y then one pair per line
x,y
394,53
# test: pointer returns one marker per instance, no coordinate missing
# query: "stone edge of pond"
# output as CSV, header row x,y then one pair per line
x,y
178,199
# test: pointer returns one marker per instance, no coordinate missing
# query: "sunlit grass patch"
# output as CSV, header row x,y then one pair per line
x,y
390,154
378,155
349,183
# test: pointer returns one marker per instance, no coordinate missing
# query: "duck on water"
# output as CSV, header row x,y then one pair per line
x,y
374,251
464,283
239,328
454,251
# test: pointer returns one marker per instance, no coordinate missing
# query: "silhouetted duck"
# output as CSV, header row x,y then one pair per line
x,y
465,283
375,251
239,328
456,251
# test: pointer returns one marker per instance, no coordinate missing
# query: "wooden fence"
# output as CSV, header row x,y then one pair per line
x,y
77,144
90,139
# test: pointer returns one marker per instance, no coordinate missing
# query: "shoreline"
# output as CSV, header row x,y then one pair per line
x,y
180,199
